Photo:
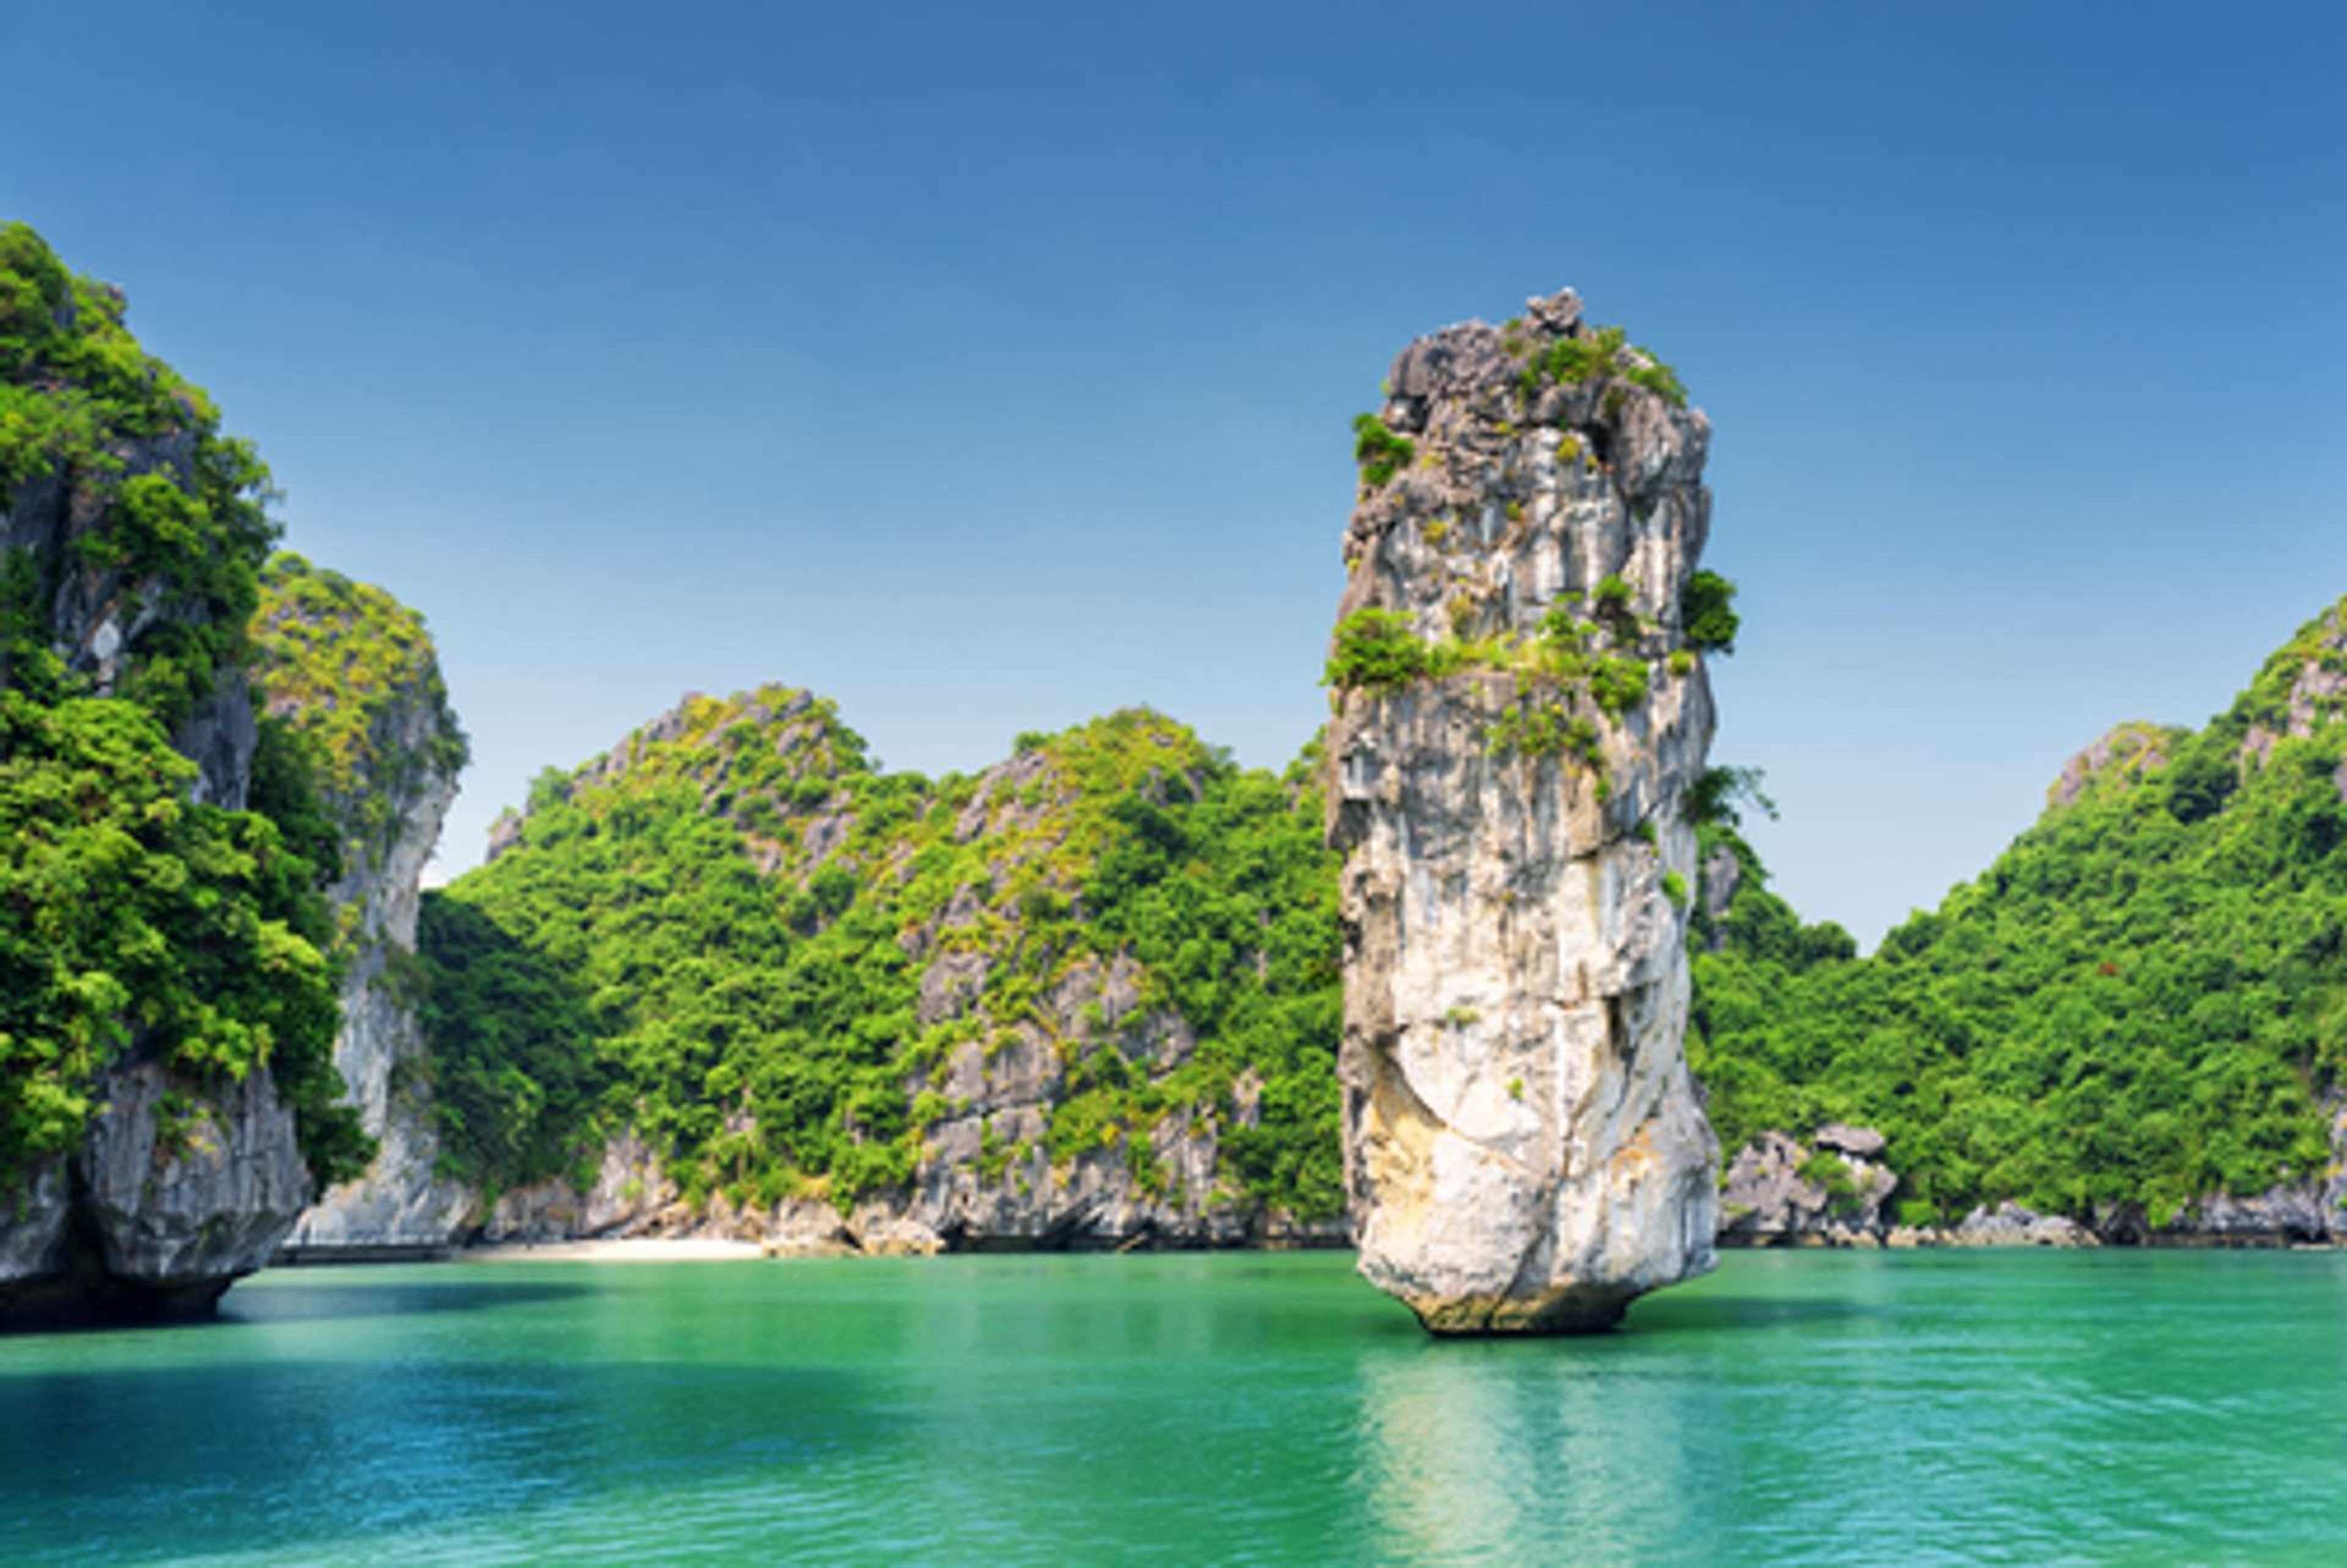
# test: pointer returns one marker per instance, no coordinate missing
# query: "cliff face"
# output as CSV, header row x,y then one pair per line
x,y
1084,997
1520,718
161,1000
351,673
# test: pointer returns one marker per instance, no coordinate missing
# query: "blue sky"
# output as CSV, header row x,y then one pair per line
x,y
989,368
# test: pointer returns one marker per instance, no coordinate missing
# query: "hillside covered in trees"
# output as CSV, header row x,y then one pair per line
x,y
795,975
2143,1000
168,961
151,896
1110,957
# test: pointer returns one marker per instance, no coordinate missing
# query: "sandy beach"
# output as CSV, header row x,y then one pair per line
x,y
643,1249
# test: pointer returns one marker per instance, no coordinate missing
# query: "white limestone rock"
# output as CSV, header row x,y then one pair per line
x,y
1525,1148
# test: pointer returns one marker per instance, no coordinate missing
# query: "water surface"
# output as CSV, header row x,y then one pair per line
x,y
2026,1408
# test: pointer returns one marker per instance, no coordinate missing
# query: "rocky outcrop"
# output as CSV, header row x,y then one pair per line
x,y
2308,683
183,1198
631,1195
173,1196
354,672
2311,1212
1835,1192
985,1178
2126,753
2012,1225
1778,1192
103,613
1518,720
970,1193
1717,881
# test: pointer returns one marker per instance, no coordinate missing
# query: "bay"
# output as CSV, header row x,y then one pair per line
x,y
1828,1408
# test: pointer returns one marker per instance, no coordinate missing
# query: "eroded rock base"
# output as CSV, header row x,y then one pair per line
x,y
1572,1310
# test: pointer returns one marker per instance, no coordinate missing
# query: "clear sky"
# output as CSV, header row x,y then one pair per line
x,y
989,367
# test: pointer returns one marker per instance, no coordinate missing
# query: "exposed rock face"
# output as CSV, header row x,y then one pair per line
x,y
628,1196
354,672
2011,1225
1767,1201
1781,1192
184,1205
400,1202
969,1194
2315,695
2126,753
1719,876
984,1180
1524,1149
172,1197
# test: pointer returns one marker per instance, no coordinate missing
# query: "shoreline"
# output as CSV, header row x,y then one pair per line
x,y
711,1249
613,1249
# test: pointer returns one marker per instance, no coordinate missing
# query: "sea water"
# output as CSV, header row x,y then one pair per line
x,y
1911,1409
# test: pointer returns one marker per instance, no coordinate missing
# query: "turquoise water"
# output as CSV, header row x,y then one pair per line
x,y
2029,1408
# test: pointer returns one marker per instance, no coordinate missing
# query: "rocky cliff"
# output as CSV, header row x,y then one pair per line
x,y
164,1005
351,673
731,977
1837,1190
1520,714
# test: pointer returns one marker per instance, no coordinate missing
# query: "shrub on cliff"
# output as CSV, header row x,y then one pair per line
x,y
1380,453
1708,612
1374,649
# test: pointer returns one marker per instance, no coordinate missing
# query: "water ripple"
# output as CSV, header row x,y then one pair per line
x,y
1794,1408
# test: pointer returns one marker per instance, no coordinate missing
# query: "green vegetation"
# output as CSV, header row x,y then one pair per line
x,y
335,661
1380,453
723,944
128,917
2140,1001
1558,669
1708,612
1376,650
131,919
1826,1169
1572,361
81,403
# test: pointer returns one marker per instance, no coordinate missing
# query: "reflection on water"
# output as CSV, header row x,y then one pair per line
x,y
1494,1452
1795,1407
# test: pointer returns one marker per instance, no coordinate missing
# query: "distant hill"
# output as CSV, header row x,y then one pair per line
x,y
1087,994
2141,1004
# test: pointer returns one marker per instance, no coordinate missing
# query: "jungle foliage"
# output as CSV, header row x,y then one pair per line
x,y
351,672
131,919
2141,1002
719,936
